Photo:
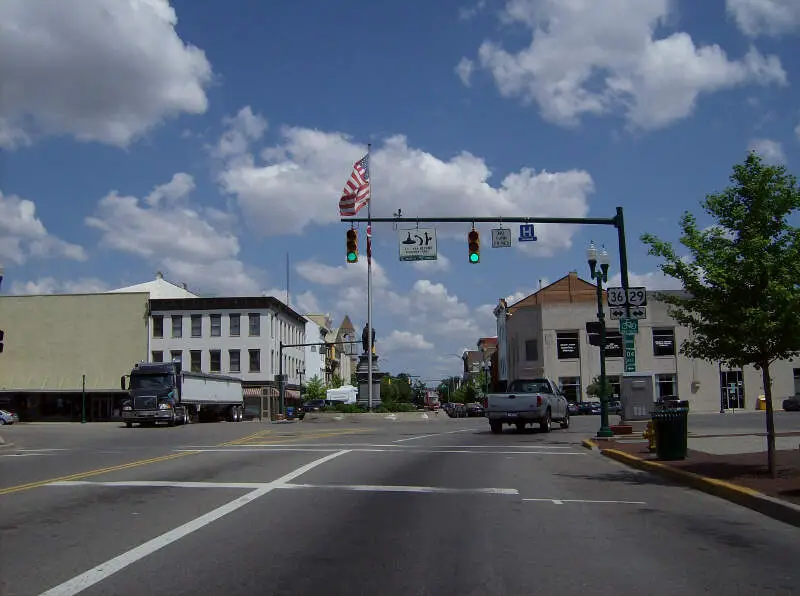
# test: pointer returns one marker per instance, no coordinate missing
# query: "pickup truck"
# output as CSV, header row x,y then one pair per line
x,y
527,401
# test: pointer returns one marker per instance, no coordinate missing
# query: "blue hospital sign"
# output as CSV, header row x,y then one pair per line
x,y
526,233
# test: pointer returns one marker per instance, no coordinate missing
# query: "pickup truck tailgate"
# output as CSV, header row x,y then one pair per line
x,y
513,402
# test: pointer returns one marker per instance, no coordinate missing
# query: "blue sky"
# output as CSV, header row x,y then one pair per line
x,y
210,139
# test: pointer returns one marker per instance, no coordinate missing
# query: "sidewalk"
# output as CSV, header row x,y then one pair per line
x,y
742,478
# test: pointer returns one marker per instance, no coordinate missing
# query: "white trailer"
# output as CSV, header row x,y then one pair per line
x,y
346,394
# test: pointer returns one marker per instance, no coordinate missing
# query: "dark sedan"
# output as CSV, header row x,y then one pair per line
x,y
792,404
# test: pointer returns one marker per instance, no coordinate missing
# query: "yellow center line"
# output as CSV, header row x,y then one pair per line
x,y
119,467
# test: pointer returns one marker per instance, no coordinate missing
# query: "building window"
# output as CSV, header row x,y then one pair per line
x,y
255,324
531,350
666,386
616,386
176,355
157,356
158,325
177,325
796,373
216,325
663,342
197,325
196,360
215,362
614,345
568,345
313,348
234,361
235,322
255,360
571,388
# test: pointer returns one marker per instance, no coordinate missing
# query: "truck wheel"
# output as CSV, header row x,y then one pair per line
x,y
497,427
239,415
546,423
520,427
129,424
565,421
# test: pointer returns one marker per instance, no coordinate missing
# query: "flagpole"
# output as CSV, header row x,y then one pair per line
x,y
369,278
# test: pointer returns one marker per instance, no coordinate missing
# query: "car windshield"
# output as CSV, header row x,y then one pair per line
x,y
149,381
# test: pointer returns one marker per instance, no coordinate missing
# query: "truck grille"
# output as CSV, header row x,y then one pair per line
x,y
145,402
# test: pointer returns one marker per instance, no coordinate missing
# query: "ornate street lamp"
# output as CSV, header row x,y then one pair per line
x,y
600,275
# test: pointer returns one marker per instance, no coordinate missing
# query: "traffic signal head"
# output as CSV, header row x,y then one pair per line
x,y
352,246
474,240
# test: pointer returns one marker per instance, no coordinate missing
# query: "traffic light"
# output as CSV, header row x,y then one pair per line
x,y
474,240
2,335
594,329
352,246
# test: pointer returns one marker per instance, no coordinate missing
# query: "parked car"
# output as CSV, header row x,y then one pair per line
x,y
7,417
792,404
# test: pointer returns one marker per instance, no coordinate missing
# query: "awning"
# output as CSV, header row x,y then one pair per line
x,y
257,392
290,394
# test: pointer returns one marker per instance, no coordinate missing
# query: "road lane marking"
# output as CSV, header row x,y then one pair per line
x,y
380,488
97,472
277,448
262,485
562,501
104,570
134,464
393,445
449,432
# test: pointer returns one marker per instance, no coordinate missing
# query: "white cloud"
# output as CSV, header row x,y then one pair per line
x,y
49,285
94,69
595,58
23,235
466,13
303,303
400,341
301,178
765,17
797,132
442,263
653,280
192,244
771,151
464,70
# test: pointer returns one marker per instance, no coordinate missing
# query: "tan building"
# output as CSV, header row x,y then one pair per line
x,y
544,334
54,344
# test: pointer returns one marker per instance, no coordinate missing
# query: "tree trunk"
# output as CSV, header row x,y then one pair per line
x,y
765,376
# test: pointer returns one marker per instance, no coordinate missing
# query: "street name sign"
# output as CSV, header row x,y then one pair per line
x,y
418,244
501,238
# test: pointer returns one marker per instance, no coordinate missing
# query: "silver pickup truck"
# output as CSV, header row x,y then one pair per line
x,y
527,402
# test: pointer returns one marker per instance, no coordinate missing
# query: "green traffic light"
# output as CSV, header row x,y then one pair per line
x,y
352,257
474,257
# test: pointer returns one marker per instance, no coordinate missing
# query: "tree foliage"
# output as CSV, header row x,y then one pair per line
x,y
742,276
314,389
594,388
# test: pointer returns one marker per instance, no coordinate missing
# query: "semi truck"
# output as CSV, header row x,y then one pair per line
x,y
161,392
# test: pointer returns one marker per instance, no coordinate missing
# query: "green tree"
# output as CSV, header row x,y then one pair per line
x,y
594,388
314,388
742,293
353,380
336,382
419,389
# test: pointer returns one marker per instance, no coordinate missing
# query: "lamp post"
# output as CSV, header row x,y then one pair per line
x,y
300,372
487,367
600,275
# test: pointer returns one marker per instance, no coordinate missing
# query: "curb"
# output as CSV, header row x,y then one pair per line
x,y
740,495
589,444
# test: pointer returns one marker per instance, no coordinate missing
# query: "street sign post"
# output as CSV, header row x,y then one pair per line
x,y
501,238
417,244
630,353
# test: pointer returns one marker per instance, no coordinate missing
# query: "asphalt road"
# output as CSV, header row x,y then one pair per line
x,y
393,508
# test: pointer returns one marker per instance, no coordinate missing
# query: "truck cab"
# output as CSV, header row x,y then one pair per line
x,y
154,395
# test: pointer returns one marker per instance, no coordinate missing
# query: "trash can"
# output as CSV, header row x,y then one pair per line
x,y
671,426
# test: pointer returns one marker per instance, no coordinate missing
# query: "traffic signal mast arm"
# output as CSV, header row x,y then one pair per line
x,y
618,221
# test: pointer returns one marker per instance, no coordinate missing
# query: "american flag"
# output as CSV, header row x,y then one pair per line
x,y
356,191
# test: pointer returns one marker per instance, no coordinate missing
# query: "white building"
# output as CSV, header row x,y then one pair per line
x,y
315,355
237,336
545,335
158,288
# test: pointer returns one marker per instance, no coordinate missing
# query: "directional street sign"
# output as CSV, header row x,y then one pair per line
x,y
638,312
526,233
629,327
630,353
501,238
616,297
417,244
637,296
